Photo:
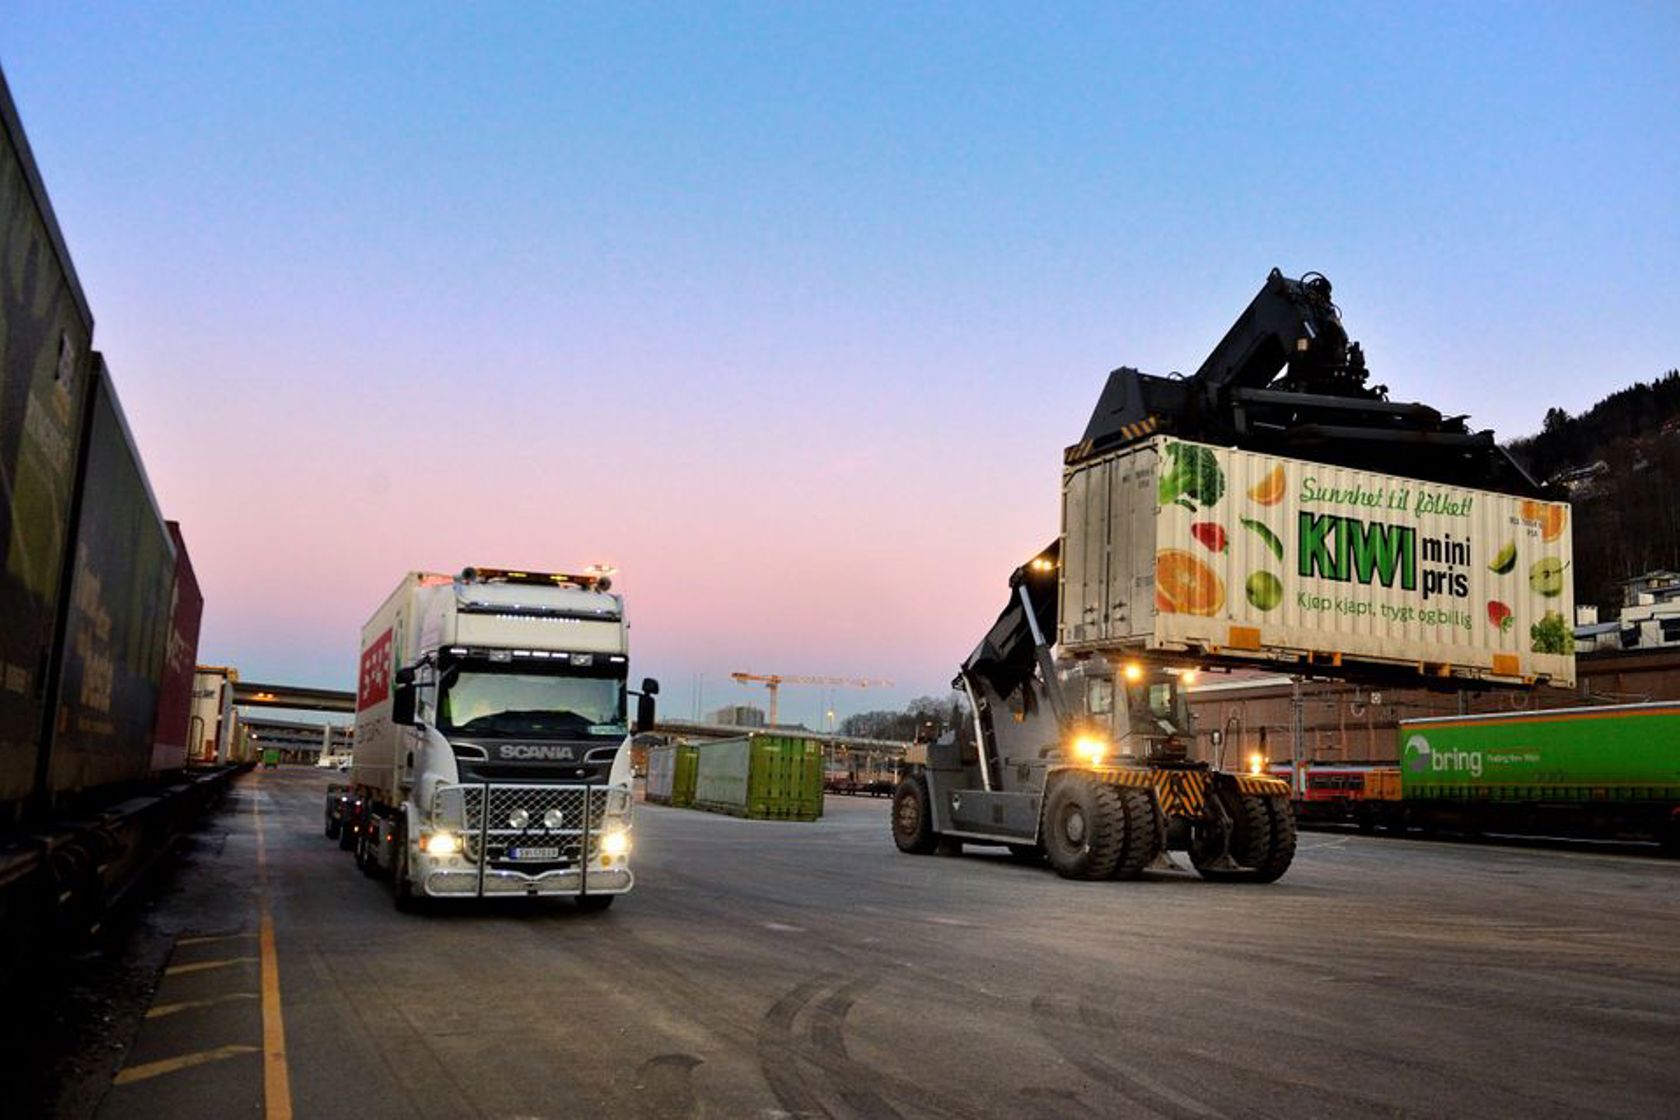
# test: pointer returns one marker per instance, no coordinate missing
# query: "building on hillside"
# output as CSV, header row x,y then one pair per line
x,y
738,715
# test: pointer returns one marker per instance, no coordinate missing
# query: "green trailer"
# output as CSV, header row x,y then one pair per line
x,y
761,776
1613,770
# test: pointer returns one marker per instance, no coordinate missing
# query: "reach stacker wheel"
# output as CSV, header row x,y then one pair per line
x,y
1084,827
912,817
1261,844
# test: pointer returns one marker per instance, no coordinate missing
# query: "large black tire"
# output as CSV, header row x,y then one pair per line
x,y
333,828
1084,827
364,852
912,817
594,903
1280,841
1250,842
403,895
1142,843
346,836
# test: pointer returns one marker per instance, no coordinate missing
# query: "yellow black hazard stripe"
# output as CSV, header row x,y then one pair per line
x,y
1128,432
1180,793
1260,785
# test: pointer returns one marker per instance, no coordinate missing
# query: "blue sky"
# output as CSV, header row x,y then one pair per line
x,y
789,310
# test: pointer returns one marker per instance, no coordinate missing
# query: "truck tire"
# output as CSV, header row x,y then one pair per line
x,y
333,827
1250,840
912,817
1084,827
594,903
1141,844
347,834
403,896
1280,842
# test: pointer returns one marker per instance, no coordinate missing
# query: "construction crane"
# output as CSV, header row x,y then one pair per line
x,y
774,682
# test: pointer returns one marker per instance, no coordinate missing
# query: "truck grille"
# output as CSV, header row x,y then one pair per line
x,y
491,811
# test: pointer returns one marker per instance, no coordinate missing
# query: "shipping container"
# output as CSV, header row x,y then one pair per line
x,y
46,333
670,776
762,776
171,734
118,618
1627,752
1216,553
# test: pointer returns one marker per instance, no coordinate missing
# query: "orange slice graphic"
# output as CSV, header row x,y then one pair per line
x,y
1269,490
1185,585
1549,516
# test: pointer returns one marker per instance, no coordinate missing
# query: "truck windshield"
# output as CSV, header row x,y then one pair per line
x,y
495,702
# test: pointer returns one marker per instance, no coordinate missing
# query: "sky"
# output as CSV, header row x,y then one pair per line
x,y
787,311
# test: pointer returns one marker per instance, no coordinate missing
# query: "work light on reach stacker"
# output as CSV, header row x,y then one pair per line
x,y
1134,672
1091,748
1256,763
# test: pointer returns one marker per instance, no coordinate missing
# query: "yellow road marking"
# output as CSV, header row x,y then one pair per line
x,y
163,1009
185,1061
277,1087
204,966
212,937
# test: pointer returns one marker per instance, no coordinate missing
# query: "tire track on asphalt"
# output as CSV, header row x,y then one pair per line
x,y
1070,1034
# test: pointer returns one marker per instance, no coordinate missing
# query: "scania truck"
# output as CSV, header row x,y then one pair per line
x,y
492,746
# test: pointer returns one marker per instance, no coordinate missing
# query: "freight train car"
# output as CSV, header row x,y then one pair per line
x,y
99,609
1610,772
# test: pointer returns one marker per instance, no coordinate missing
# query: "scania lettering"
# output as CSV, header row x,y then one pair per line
x,y
492,738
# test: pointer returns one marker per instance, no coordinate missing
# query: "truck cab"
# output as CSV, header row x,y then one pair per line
x,y
492,737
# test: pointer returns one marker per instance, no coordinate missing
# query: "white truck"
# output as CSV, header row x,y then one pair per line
x,y
491,752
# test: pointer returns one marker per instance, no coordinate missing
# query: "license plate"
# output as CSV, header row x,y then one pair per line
x,y
533,853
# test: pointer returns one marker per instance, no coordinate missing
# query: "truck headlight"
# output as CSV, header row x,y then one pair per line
x,y
442,844
615,843
1091,748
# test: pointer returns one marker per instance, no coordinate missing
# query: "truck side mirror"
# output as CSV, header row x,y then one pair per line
x,y
645,705
402,699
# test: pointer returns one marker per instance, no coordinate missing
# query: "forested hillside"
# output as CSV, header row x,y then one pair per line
x,y
1627,507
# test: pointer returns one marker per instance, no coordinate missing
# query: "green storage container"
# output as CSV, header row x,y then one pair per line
x,y
670,779
1625,752
761,776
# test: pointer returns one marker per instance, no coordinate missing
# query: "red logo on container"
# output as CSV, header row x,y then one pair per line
x,y
374,686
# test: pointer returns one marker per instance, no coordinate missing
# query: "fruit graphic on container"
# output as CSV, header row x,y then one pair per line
x,y
1549,516
1505,560
1269,491
1265,591
1185,585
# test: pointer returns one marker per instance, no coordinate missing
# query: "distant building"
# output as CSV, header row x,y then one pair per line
x,y
738,715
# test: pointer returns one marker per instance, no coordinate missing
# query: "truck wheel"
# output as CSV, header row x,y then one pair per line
x,y
1141,844
1250,841
594,903
1084,827
403,896
347,836
332,829
912,817
364,850
1280,842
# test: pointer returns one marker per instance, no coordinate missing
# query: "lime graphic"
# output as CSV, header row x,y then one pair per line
x,y
1265,591
1506,560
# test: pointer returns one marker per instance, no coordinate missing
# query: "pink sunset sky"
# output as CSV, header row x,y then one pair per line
x,y
788,312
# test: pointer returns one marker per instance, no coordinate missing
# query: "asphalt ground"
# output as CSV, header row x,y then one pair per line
x,y
768,969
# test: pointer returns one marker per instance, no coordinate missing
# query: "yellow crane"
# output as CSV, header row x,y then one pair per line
x,y
774,682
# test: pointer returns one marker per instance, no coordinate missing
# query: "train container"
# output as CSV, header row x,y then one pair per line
x,y
172,732
762,776
1217,554
46,333
1612,771
117,617
670,775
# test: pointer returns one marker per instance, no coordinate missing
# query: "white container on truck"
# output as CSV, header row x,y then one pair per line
x,y
1172,546
492,750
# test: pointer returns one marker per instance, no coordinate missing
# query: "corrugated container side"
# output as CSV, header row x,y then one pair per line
x,y
721,774
46,337
119,614
1266,559
1610,754
175,696
786,778
661,768
684,774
